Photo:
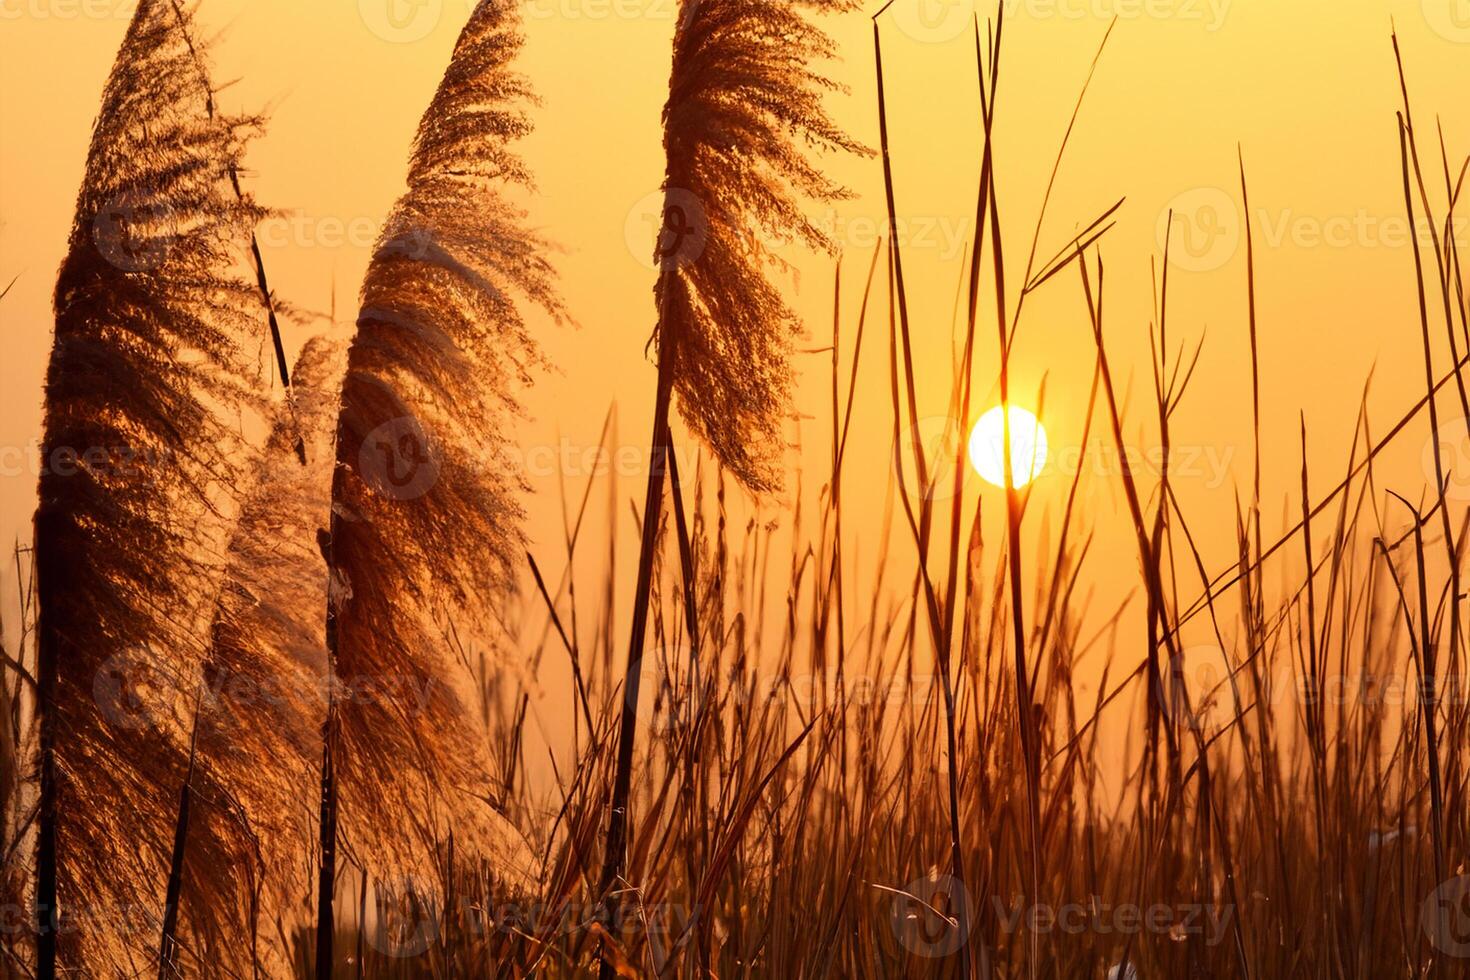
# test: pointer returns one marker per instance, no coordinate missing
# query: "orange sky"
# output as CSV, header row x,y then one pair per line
x,y
1306,86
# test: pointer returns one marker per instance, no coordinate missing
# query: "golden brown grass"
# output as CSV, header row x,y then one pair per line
x,y
900,776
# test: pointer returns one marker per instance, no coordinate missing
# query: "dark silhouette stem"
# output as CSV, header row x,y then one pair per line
x,y
617,826
168,944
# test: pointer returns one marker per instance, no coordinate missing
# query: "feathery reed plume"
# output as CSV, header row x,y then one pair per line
x,y
744,111
144,397
257,262
243,812
425,517
744,108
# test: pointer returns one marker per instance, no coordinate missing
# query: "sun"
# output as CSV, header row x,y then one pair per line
x,y
1028,446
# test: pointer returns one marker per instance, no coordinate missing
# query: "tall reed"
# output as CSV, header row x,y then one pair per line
x,y
424,528
745,106
147,380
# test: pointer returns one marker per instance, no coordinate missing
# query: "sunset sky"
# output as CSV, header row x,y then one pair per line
x,y
1307,89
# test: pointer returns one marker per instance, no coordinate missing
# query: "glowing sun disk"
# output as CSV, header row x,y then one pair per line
x,y
1028,446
